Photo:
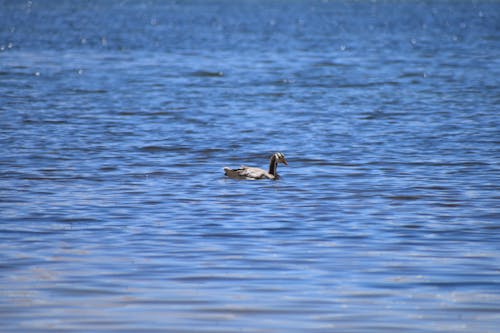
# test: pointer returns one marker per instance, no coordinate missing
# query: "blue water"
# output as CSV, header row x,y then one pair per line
x,y
116,118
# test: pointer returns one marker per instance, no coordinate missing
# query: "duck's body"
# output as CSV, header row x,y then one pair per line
x,y
245,172
252,173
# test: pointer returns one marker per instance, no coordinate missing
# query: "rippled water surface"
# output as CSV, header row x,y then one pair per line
x,y
116,118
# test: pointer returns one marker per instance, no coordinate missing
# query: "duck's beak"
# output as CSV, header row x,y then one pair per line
x,y
285,162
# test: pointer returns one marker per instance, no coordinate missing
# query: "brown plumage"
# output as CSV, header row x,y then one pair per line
x,y
251,173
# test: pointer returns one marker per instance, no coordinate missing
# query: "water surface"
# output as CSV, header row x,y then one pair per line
x,y
117,117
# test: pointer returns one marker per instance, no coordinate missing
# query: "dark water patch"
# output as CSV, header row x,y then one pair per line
x,y
30,232
479,284
412,75
73,291
160,113
210,151
209,278
411,226
449,204
280,82
405,197
16,74
67,179
273,94
157,174
434,188
378,114
248,310
29,121
170,301
78,220
204,73
478,308
361,85
130,113
489,216
157,149
108,168
87,91
152,202
279,229
322,64
229,235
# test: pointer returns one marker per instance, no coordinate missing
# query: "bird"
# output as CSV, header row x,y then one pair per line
x,y
252,173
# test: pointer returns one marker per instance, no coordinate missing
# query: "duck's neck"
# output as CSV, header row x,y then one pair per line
x,y
273,166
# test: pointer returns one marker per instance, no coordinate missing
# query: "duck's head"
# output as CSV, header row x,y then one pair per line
x,y
280,158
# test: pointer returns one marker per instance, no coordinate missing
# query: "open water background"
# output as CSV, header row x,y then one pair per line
x,y
116,118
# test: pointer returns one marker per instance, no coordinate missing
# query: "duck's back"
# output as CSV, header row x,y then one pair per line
x,y
245,172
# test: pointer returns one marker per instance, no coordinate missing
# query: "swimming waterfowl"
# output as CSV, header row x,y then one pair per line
x,y
245,172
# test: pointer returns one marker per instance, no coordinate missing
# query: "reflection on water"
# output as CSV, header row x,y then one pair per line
x,y
116,120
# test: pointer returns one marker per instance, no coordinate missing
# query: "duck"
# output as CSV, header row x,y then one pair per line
x,y
253,173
